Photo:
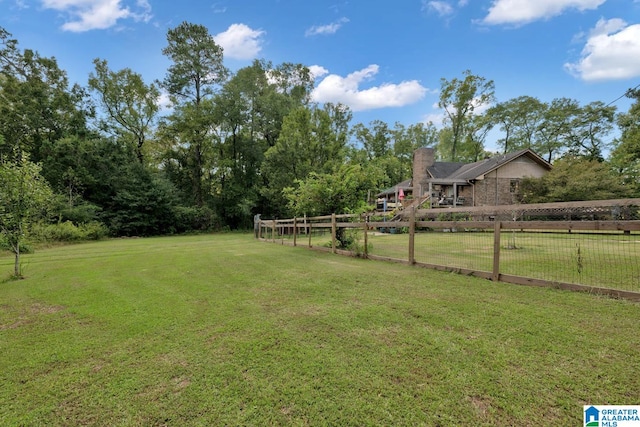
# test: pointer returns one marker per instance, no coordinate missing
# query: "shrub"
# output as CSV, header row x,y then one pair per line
x,y
191,218
67,232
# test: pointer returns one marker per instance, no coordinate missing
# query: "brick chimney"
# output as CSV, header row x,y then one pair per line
x,y
422,159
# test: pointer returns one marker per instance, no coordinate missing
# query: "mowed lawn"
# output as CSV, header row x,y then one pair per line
x,y
224,330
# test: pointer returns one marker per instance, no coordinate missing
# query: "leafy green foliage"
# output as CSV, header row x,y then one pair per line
x,y
626,154
37,107
342,191
459,99
67,231
518,119
233,142
24,197
312,141
130,105
197,65
573,179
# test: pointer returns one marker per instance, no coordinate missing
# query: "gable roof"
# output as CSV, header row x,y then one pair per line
x,y
471,171
405,185
449,173
443,169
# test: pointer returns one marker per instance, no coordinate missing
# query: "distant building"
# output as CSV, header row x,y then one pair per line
x,y
490,182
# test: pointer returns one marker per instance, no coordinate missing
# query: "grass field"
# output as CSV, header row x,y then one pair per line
x,y
608,260
225,330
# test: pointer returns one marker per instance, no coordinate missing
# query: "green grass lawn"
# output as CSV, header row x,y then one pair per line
x,y
602,260
225,330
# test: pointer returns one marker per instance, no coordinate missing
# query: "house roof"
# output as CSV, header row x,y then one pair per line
x,y
405,185
483,167
471,171
450,173
443,169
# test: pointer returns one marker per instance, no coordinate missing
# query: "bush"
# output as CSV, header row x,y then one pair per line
x,y
191,218
80,214
67,232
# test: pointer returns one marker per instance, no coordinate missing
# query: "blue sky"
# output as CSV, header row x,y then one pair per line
x,y
384,59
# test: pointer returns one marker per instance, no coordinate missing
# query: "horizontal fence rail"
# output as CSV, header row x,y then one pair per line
x,y
585,246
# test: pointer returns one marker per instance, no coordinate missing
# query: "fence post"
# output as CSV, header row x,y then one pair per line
x,y
496,251
366,237
333,233
412,235
273,231
259,229
295,230
308,230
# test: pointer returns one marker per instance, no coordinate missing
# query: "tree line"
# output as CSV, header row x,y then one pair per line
x,y
231,145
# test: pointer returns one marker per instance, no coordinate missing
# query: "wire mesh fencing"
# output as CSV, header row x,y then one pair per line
x,y
587,246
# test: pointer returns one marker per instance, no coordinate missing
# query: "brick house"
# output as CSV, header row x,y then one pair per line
x,y
490,182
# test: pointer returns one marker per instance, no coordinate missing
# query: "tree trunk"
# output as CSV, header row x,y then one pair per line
x,y
16,267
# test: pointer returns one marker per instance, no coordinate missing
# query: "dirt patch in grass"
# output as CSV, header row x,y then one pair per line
x,y
480,404
13,319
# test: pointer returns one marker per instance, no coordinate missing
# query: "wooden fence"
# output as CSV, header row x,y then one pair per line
x,y
601,240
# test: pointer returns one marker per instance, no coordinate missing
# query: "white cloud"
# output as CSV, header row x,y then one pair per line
x,y
318,71
218,8
346,90
88,15
326,29
437,119
442,8
524,11
21,4
612,51
240,41
164,102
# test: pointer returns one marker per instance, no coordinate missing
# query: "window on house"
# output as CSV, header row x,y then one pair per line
x,y
515,186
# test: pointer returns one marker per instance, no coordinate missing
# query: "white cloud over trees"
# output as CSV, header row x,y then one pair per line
x,y
83,15
612,51
240,41
346,90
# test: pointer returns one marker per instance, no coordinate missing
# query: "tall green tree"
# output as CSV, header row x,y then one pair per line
x,y
625,156
197,70
312,140
290,87
24,196
37,106
197,63
518,119
477,130
406,140
590,131
130,105
375,139
131,198
249,111
459,99
551,138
